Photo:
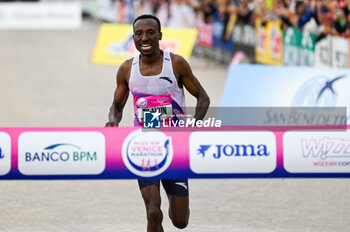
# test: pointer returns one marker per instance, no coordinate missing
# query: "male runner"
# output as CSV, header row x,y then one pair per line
x,y
159,75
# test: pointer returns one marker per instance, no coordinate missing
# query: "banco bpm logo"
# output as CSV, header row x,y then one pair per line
x,y
61,153
147,154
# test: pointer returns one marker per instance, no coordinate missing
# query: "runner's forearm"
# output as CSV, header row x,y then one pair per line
x,y
202,107
115,114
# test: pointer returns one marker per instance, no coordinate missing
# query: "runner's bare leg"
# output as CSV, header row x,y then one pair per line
x,y
179,211
151,197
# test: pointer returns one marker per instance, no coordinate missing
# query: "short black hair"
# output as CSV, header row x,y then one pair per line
x,y
147,16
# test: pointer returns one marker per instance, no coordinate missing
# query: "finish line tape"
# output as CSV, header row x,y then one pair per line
x,y
132,153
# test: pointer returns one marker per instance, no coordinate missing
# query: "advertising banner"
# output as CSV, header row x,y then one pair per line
x,y
307,49
323,52
317,152
291,39
135,153
244,40
267,86
340,52
115,43
261,48
269,47
205,33
40,15
232,152
299,47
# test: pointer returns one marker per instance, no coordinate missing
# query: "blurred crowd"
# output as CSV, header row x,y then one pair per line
x,y
320,17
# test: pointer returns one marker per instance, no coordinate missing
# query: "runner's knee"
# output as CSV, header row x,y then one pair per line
x,y
180,222
154,214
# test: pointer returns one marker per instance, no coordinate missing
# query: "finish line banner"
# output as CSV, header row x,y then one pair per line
x,y
133,153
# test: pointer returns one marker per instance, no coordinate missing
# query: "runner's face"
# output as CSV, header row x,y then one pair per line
x,y
146,36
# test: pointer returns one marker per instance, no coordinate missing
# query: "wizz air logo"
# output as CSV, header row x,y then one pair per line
x,y
325,148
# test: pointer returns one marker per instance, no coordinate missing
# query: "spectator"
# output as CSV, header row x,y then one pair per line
x,y
328,9
260,10
340,21
207,8
285,12
244,11
222,16
319,17
308,14
346,9
181,14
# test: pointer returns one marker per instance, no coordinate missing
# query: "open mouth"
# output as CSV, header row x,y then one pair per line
x,y
146,47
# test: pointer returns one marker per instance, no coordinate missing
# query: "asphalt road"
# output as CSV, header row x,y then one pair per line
x,y
47,80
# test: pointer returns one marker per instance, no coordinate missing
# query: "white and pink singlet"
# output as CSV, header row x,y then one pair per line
x,y
156,93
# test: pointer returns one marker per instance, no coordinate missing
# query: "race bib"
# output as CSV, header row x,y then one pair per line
x,y
160,103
